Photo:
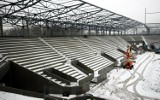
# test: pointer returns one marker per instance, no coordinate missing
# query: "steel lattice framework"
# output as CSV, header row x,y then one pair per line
x,y
66,13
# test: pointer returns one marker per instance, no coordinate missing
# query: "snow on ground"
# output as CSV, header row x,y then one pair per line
x,y
134,79
130,88
12,96
124,76
107,88
142,82
150,85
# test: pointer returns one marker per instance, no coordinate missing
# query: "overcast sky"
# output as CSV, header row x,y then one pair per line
x,y
134,9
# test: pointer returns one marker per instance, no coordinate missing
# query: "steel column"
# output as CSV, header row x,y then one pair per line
x,y
117,32
23,31
110,31
1,27
27,23
89,30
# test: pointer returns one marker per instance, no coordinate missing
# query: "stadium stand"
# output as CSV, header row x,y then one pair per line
x,y
128,38
36,56
74,48
3,65
151,38
137,38
117,41
99,46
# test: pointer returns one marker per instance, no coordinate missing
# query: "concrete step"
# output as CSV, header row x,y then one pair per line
x,y
64,68
36,60
68,71
22,49
30,56
79,77
45,62
30,53
75,74
51,66
25,60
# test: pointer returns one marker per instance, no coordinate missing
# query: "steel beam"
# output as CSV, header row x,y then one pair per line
x,y
76,16
1,26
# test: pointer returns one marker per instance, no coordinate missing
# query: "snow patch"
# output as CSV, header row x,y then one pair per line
x,y
12,96
150,85
134,78
130,88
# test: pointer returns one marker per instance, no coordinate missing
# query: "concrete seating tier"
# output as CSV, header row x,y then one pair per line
x,y
36,56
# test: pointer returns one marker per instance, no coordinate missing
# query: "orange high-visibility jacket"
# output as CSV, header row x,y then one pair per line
x,y
128,55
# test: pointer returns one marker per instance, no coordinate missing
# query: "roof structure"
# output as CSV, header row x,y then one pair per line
x,y
74,12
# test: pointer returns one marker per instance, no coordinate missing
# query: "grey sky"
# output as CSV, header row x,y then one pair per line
x,y
134,9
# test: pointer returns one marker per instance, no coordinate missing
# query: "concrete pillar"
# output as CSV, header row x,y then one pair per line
x,y
1,27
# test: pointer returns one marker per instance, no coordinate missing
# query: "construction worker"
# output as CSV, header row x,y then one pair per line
x,y
128,58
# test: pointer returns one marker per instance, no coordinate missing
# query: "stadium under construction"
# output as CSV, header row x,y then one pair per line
x,y
63,49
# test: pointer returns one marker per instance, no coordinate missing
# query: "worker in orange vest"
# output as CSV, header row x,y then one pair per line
x,y
128,58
